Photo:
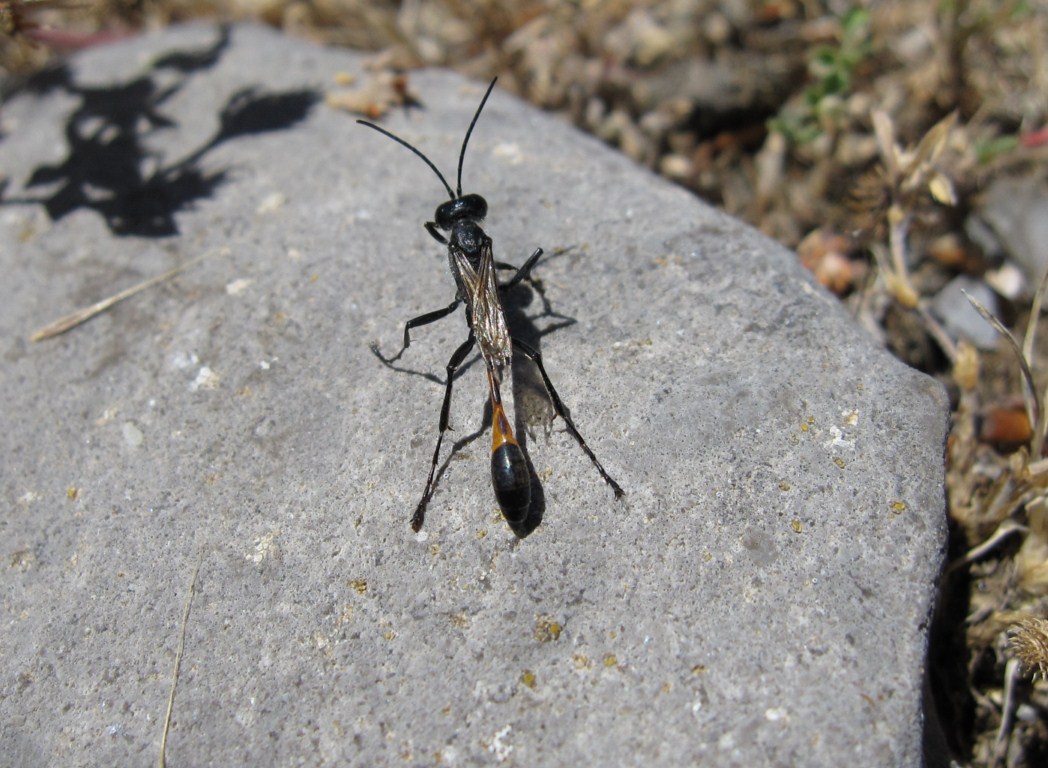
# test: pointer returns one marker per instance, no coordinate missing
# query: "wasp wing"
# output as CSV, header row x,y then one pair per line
x,y
485,304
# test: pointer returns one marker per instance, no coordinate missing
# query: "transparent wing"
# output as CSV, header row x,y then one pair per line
x,y
482,295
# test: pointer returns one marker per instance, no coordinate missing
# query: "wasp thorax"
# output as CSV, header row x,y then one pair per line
x,y
472,207
468,237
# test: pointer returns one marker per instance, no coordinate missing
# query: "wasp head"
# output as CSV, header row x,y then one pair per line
x,y
465,208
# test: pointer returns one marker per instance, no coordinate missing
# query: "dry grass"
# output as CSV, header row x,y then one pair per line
x,y
861,139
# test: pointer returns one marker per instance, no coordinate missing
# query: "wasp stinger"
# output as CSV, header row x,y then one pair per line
x,y
457,225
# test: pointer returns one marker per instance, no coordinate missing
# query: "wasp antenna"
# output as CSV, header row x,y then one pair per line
x,y
418,152
469,131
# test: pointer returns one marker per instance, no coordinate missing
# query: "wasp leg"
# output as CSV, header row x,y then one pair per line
x,y
522,273
445,411
415,322
432,229
558,407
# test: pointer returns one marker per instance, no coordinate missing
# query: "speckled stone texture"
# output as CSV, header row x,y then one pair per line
x,y
760,597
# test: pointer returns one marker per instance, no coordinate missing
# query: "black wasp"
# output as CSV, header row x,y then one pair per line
x,y
473,265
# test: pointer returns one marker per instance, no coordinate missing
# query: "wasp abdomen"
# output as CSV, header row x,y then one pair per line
x,y
509,469
511,481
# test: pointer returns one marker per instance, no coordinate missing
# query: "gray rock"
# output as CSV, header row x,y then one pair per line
x,y
760,597
1016,210
960,317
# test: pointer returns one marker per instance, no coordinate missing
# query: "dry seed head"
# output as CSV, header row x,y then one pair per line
x,y
1029,642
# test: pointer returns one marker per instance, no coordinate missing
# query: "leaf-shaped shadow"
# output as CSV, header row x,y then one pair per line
x,y
108,168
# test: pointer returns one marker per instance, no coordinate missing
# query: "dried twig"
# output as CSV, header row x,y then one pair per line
x,y
1004,530
1000,746
1034,406
83,315
1040,427
161,760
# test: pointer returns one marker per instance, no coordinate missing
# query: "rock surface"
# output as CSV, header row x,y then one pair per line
x,y
760,597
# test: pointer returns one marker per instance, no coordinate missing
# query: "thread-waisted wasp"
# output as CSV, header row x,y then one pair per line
x,y
473,265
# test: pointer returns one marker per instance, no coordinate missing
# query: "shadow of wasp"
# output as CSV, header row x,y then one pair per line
x,y
473,265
